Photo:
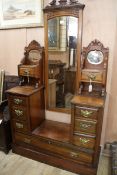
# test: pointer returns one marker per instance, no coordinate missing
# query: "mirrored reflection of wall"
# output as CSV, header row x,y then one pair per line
x,y
62,44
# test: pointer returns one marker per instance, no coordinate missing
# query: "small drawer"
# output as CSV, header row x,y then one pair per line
x,y
85,112
93,76
58,149
20,126
18,100
83,126
19,113
29,70
83,141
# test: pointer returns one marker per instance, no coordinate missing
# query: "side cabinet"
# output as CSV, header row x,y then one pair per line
x,y
87,117
26,106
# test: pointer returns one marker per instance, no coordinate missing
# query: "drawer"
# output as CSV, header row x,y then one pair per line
x,y
85,112
93,76
20,126
29,70
52,147
18,100
19,113
86,127
83,141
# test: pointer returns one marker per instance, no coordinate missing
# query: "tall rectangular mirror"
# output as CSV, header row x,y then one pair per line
x,y
63,36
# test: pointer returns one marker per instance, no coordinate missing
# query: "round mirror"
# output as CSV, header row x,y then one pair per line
x,y
34,56
95,57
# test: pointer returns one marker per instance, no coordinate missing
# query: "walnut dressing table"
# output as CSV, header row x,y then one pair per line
x,y
71,146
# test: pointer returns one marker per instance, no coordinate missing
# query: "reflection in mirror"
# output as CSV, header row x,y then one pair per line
x,y
95,57
62,44
34,56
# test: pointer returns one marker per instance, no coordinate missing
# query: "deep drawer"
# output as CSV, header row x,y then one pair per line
x,y
52,147
19,113
83,141
85,112
86,127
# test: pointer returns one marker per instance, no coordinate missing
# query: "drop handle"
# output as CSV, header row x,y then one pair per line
x,y
92,77
73,154
18,101
18,112
19,125
86,113
84,141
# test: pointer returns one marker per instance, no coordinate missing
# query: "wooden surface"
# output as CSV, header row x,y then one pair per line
x,y
86,100
13,164
54,130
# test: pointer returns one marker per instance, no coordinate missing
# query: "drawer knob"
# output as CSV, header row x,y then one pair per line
x,y
92,77
86,113
85,126
18,101
19,125
18,112
73,154
84,140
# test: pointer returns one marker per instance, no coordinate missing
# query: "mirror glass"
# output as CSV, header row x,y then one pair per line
x,y
95,57
34,56
62,62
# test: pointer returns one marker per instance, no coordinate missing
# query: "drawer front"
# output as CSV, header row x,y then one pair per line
x,y
19,113
93,76
20,126
52,147
83,141
83,126
85,112
18,100
29,71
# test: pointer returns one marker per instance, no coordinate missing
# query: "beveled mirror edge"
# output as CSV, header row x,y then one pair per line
x,y
48,14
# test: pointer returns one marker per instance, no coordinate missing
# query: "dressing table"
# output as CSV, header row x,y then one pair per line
x,y
74,145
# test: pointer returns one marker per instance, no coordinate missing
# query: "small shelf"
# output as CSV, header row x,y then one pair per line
x,y
54,130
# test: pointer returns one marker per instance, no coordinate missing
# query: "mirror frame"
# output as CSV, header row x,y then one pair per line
x,y
74,9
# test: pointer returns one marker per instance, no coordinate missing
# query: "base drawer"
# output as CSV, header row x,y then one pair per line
x,y
54,147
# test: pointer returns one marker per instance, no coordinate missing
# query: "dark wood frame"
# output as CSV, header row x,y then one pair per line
x,y
74,9
92,68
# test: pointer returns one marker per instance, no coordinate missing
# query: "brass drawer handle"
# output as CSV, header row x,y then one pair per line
x,y
92,77
18,112
86,113
18,101
27,140
73,154
85,126
49,142
84,140
19,125
26,72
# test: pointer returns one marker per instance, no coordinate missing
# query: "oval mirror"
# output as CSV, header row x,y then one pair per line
x,y
95,57
34,56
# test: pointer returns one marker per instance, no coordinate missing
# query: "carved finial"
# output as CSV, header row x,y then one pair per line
x,y
53,2
73,1
63,2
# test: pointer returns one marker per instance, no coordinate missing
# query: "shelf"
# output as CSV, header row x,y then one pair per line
x,y
54,130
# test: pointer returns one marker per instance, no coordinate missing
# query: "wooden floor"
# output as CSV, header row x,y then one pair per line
x,y
13,164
